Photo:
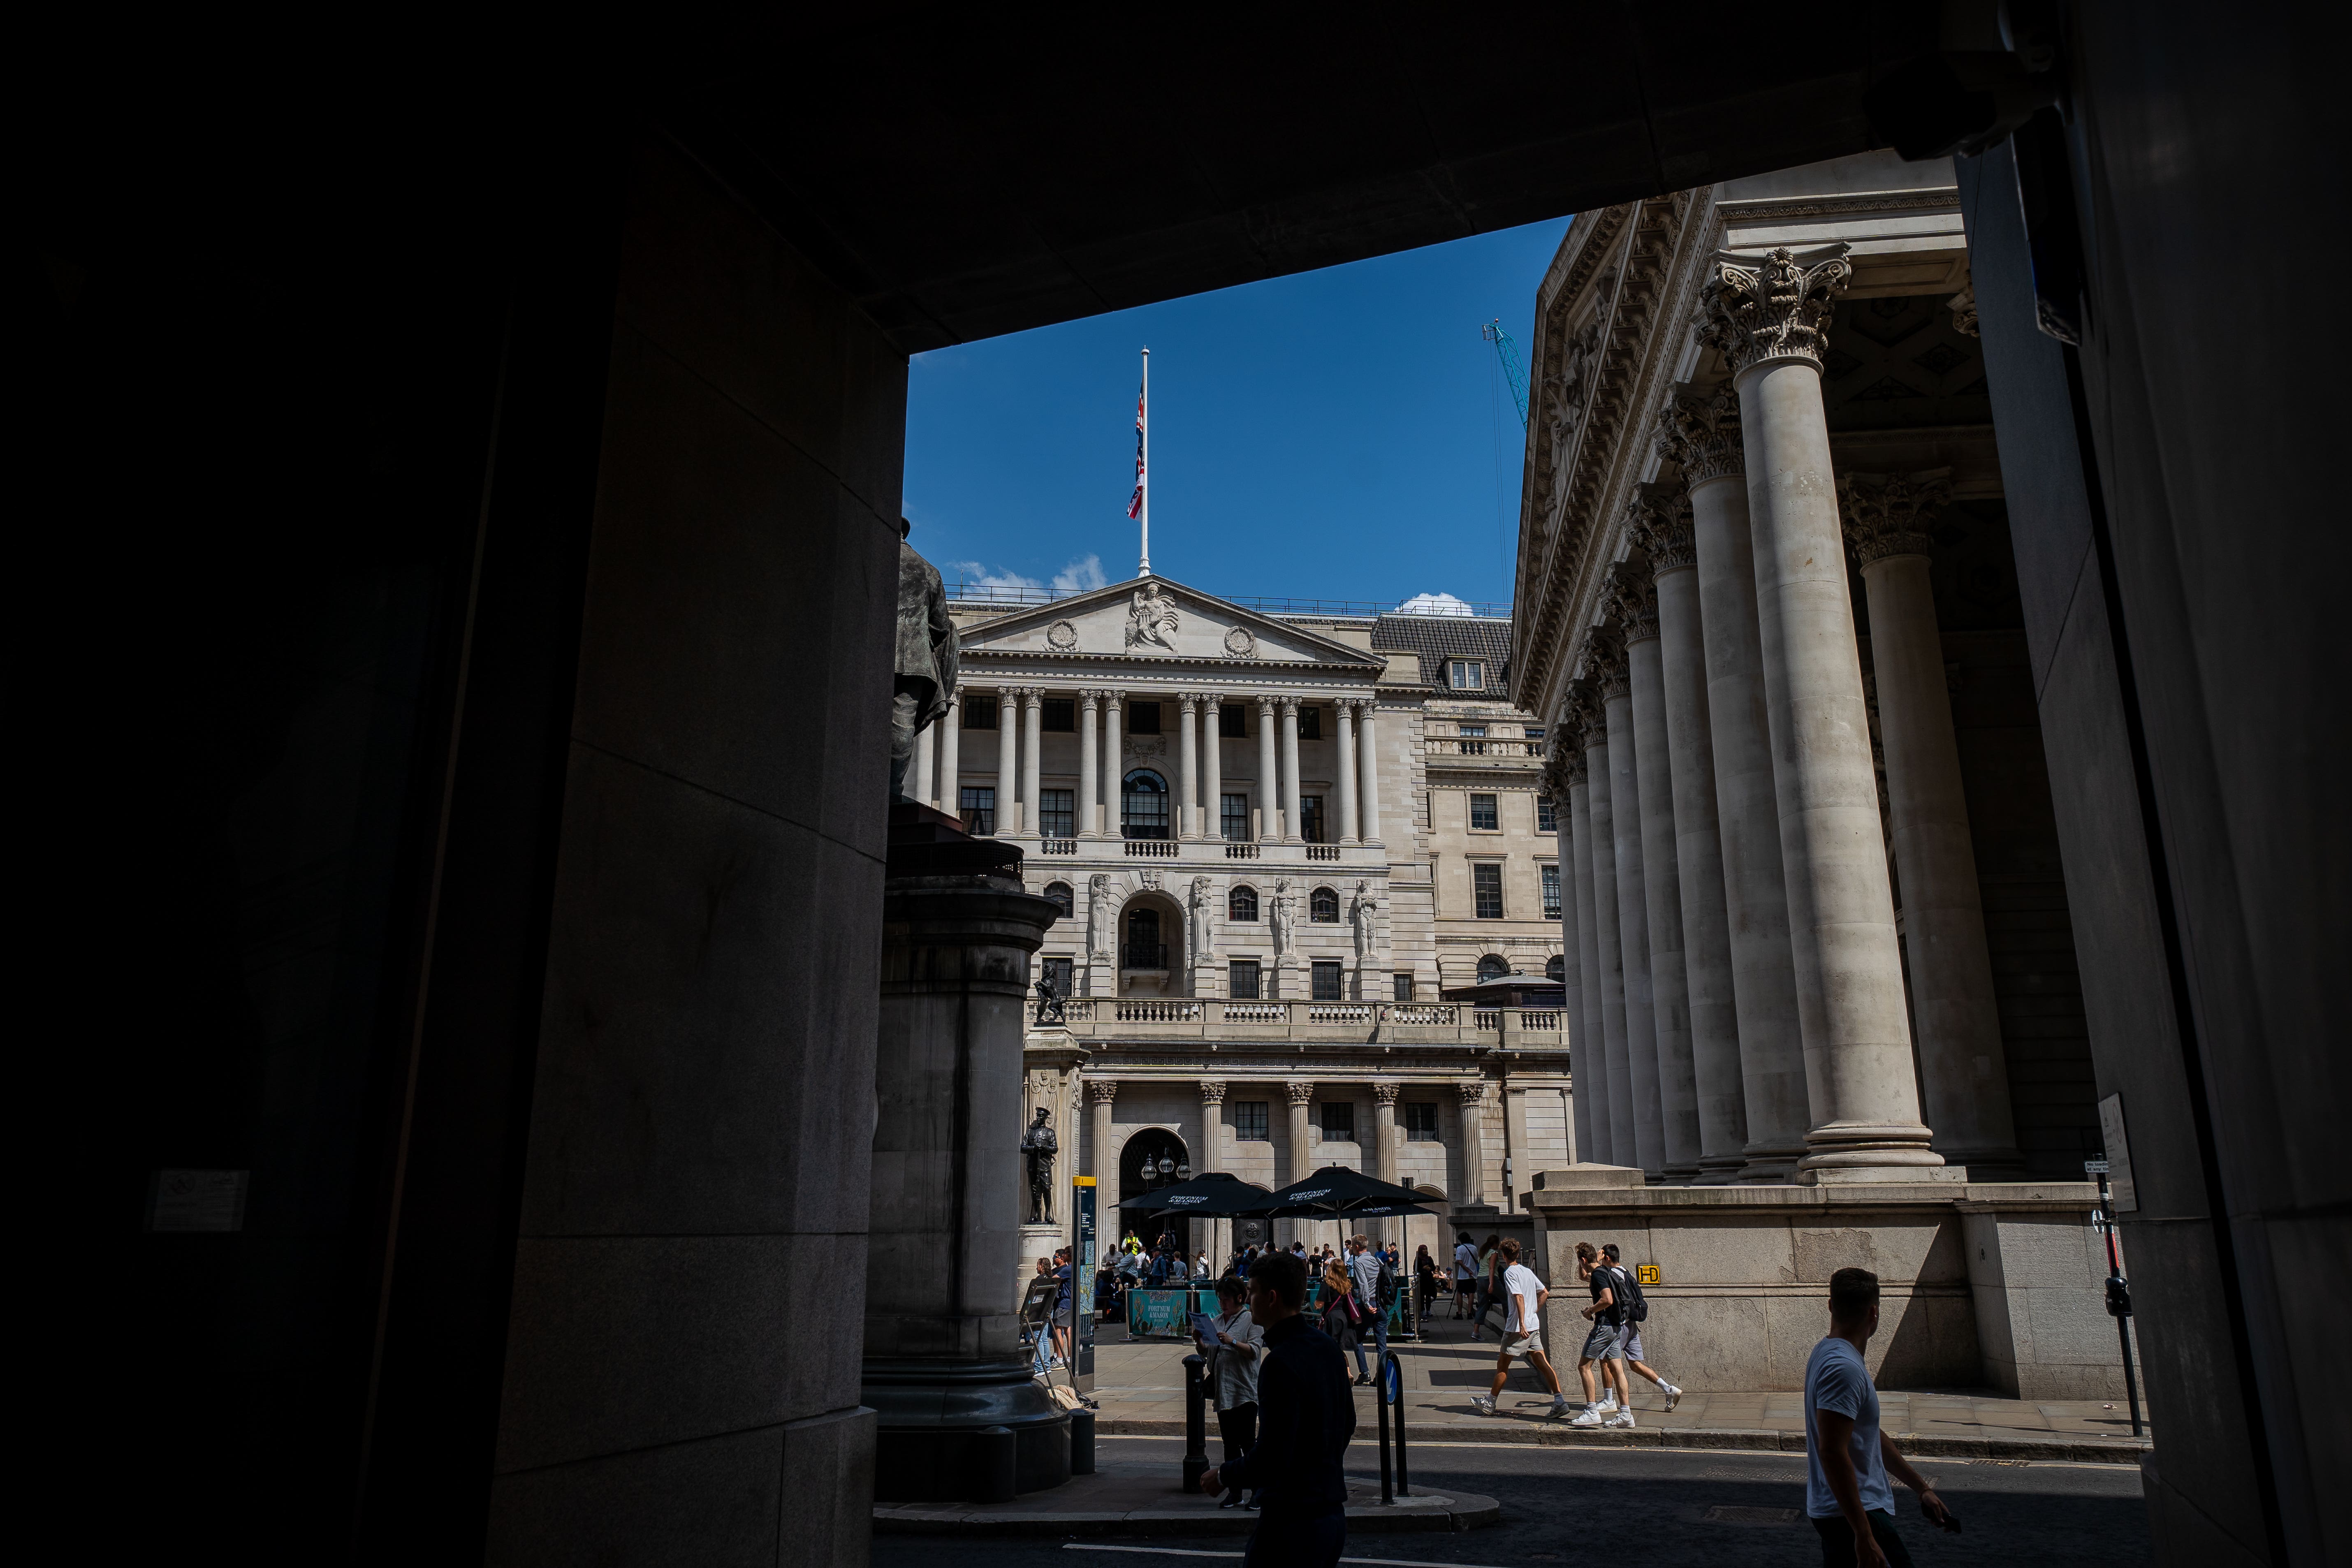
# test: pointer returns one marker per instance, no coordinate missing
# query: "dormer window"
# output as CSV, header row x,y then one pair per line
x,y
1466,674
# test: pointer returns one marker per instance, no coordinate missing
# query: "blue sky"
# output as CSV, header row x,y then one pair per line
x,y
1343,434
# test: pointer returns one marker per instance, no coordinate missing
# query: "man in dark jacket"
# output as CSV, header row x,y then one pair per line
x,y
1306,1415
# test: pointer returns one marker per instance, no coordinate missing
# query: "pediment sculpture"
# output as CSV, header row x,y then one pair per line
x,y
1151,618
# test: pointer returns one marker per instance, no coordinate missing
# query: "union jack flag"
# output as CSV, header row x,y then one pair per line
x,y
1135,502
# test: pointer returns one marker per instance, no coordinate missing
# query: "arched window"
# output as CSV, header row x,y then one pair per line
x,y
1556,968
1323,907
1241,904
1059,892
1143,805
1492,967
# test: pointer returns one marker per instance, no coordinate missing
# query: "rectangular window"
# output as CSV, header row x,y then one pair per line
x,y
1143,718
1241,979
1420,1121
1310,723
1466,674
1547,816
1551,892
979,805
1233,817
1326,980
1232,721
1339,1122
1534,731
979,712
1310,819
1476,732
1249,1121
1483,818
1401,986
1055,816
1057,974
1061,715
1486,884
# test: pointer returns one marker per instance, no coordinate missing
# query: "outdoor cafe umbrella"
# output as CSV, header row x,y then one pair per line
x,y
1334,1192
1215,1194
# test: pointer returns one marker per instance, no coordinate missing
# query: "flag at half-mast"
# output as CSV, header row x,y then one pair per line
x,y
1135,502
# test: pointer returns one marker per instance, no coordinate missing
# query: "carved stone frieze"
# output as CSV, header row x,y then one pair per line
x,y
1698,432
1891,515
1776,308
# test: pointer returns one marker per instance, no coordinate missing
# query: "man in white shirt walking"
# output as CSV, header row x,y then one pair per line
x,y
1847,1456
1465,1272
1522,1322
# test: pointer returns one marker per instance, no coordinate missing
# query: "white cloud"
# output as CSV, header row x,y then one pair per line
x,y
979,575
1080,574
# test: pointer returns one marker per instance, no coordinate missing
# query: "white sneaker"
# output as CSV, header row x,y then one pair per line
x,y
1591,1417
1674,1396
1607,1406
1623,1418
1482,1404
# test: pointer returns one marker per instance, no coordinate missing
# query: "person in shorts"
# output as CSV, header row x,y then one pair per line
x,y
1634,1361
1604,1343
1847,1456
1065,1306
1524,1297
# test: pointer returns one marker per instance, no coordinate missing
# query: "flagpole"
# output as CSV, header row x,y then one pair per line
x,y
1144,570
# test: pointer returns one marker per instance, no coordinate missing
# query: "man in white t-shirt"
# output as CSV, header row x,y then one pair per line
x,y
1524,1297
1465,1272
1847,1456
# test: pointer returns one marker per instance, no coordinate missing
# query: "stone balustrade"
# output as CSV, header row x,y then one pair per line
x,y
1389,1022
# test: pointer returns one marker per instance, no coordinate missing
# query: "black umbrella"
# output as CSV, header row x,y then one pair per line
x,y
1215,1194
1335,1191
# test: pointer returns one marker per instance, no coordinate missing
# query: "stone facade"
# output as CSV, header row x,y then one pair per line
x,y
1268,830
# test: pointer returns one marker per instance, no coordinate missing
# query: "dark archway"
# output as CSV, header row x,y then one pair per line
x,y
1153,1143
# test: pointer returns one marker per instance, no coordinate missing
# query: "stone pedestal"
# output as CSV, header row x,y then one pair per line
x,y
942,1337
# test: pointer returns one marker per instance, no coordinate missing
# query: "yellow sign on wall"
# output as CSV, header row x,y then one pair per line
x,y
1645,1274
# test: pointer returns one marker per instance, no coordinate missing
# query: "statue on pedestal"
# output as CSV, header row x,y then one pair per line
x,y
1038,1147
1363,911
925,673
1282,913
1098,913
1204,934
1049,1005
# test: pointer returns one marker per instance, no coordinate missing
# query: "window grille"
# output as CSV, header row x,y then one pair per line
x,y
1233,817
1323,907
1055,816
1486,884
1492,967
1551,892
1241,904
979,712
1143,805
1338,1119
1420,1121
978,804
1547,816
1401,986
1241,979
1250,1121
1326,981
1484,817
1310,819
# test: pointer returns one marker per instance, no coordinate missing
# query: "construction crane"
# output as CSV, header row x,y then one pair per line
x,y
1512,371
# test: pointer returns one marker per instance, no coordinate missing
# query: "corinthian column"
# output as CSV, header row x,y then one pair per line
x,y
1212,766
1090,764
1663,530
1617,1071
1700,433
1662,898
1384,1149
1588,1058
1613,675
1032,734
1290,823
1471,1092
1300,1093
919,785
1555,786
1213,1156
952,757
1345,710
1114,772
1766,319
1188,764
1008,760
1962,1067
1101,1093
1269,791
1368,774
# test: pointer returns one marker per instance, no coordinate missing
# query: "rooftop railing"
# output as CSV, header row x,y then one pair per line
x,y
1013,597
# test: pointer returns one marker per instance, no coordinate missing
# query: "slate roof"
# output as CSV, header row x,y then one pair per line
x,y
1436,638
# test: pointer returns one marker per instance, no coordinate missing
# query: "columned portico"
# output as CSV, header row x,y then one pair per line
x,y
1113,766
1963,1066
1471,1098
1102,1160
1768,321
1301,1094
1384,1148
921,784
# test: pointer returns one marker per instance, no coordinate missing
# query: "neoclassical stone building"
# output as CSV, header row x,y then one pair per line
x,y
1279,841
1767,595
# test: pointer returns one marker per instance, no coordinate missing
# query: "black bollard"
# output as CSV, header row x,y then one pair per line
x,y
1394,1371
996,1455
1196,1422
1082,1442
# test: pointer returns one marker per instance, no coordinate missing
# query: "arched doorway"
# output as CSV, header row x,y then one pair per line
x,y
1157,1145
1150,946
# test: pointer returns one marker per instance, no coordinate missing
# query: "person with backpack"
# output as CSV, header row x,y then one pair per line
x,y
1375,1284
1342,1317
1637,1312
1524,1297
1605,1343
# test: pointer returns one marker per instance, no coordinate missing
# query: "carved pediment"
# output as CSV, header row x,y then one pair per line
x,y
1159,621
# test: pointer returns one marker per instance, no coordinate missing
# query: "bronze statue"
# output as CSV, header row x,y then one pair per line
x,y
1049,1005
926,667
1038,1147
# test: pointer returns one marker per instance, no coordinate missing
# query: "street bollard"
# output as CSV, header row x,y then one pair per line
x,y
1380,1404
1082,1442
1196,1422
1392,1384
995,1453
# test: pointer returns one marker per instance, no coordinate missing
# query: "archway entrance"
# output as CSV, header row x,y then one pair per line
x,y
1157,1146
1150,946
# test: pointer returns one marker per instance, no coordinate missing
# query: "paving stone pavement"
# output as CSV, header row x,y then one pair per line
x,y
1139,1388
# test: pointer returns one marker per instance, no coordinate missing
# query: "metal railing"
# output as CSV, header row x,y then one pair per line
x,y
1013,597
1143,955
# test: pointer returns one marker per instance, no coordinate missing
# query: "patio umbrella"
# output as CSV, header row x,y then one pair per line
x,y
1215,1194
1336,1191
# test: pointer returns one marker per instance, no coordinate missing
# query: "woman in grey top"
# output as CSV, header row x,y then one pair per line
x,y
1233,1375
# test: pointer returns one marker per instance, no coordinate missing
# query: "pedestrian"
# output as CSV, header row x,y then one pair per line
x,y
1233,1375
1488,1250
1200,1268
1306,1416
1375,1284
1604,1344
1847,1456
1064,1304
1523,1298
1424,1280
1341,1318
1637,1312
1465,1272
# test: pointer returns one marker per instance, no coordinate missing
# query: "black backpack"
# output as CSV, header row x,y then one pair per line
x,y
1635,1306
1384,1285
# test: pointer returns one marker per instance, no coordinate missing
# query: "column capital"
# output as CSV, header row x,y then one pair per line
x,y
1890,514
1102,1090
1471,1091
1212,699
1580,714
1631,594
1300,1092
1384,1089
1777,307
1033,696
1008,693
1560,764
1188,701
1290,706
1112,698
1265,703
1090,696
1698,432
1213,1091
1659,521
